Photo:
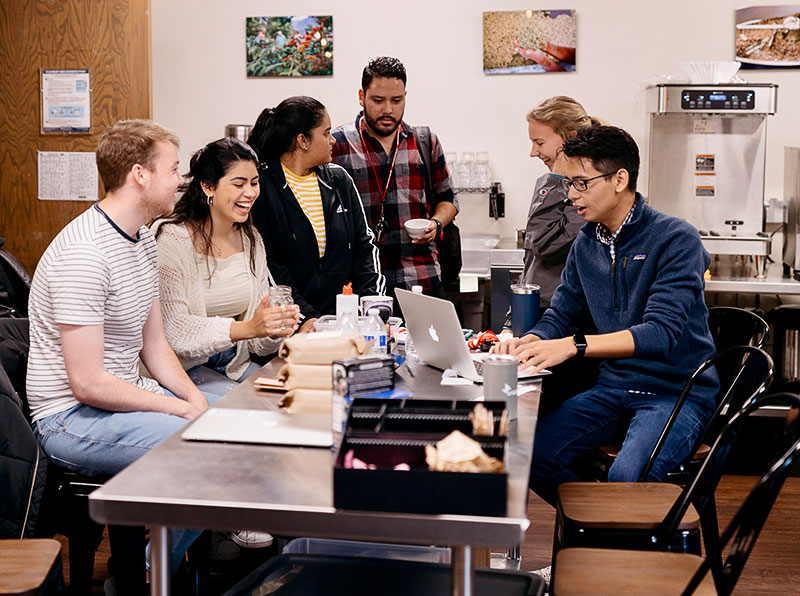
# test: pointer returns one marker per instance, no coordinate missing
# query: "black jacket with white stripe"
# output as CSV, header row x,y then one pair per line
x,y
292,251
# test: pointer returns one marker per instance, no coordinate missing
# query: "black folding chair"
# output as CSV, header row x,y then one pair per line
x,y
731,326
653,515
745,527
627,572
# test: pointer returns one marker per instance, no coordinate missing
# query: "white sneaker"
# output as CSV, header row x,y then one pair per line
x,y
544,573
251,539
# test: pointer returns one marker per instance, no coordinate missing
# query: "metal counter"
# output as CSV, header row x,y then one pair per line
x,y
774,283
507,258
289,490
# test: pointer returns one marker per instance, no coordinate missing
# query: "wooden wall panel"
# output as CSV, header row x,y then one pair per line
x,y
109,37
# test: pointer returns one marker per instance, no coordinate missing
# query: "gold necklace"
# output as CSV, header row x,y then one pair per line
x,y
219,249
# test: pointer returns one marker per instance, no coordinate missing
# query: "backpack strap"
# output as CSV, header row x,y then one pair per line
x,y
423,135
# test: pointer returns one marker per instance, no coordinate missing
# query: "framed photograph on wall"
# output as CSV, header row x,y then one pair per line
x,y
292,46
768,36
529,41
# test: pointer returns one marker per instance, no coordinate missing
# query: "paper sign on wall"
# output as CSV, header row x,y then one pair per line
x,y
67,176
66,102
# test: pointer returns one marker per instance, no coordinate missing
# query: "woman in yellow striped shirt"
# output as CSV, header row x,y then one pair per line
x,y
310,213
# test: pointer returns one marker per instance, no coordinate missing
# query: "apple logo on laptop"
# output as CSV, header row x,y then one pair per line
x,y
433,334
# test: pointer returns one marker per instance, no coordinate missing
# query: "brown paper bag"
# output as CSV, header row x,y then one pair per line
x,y
322,348
307,401
305,376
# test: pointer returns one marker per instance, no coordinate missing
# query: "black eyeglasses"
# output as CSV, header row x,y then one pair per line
x,y
582,184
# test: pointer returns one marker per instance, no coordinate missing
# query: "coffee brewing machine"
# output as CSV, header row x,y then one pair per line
x,y
707,162
791,197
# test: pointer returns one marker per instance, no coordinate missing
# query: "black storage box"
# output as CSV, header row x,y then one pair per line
x,y
310,575
387,432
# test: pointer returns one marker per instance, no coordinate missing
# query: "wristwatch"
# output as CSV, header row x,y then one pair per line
x,y
438,227
580,344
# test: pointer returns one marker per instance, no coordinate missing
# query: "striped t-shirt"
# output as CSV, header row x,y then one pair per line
x,y
306,191
91,274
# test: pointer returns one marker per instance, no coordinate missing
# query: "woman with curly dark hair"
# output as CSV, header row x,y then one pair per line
x,y
213,273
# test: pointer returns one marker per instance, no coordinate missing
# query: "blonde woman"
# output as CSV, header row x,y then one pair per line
x,y
553,223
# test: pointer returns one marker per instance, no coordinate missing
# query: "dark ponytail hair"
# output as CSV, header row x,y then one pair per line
x,y
275,132
209,165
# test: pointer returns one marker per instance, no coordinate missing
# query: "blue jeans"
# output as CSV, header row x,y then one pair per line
x,y
91,441
601,416
210,377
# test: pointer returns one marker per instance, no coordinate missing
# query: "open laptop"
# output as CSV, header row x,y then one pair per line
x,y
265,427
438,339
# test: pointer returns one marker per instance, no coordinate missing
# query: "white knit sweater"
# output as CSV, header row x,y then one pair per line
x,y
193,335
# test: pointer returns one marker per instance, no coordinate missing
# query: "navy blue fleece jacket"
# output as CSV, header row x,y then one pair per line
x,y
654,289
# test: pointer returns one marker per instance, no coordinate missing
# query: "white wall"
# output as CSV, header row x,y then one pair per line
x,y
199,82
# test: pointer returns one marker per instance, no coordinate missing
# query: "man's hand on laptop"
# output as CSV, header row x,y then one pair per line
x,y
508,346
543,353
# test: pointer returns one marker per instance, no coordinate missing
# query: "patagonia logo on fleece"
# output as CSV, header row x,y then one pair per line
x,y
639,257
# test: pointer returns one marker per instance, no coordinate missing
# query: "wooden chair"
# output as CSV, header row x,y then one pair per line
x,y
744,373
624,572
28,566
651,516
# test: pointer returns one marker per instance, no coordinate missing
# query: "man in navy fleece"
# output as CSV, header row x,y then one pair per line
x,y
639,275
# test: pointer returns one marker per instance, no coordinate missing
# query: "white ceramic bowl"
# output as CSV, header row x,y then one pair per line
x,y
415,227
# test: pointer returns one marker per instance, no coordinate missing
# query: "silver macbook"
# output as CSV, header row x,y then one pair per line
x,y
265,427
434,326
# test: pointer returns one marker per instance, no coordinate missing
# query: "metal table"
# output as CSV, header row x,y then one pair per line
x,y
289,490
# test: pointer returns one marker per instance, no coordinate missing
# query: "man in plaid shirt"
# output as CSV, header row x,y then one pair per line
x,y
380,152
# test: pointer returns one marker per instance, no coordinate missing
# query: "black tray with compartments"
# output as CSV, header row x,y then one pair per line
x,y
388,432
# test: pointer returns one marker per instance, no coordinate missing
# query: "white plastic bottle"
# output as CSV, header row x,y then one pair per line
x,y
346,300
411,353
348,323
376,331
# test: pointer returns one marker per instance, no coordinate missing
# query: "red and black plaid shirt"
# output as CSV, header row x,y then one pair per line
x,y
404,264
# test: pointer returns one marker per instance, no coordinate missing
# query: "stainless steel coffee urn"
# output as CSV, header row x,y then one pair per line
x,y
240,131
791,197
707,158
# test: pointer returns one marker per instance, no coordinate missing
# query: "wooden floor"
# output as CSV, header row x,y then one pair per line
x,y
772,568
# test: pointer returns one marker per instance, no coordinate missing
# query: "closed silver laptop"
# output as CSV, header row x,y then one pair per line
x,y
266,427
